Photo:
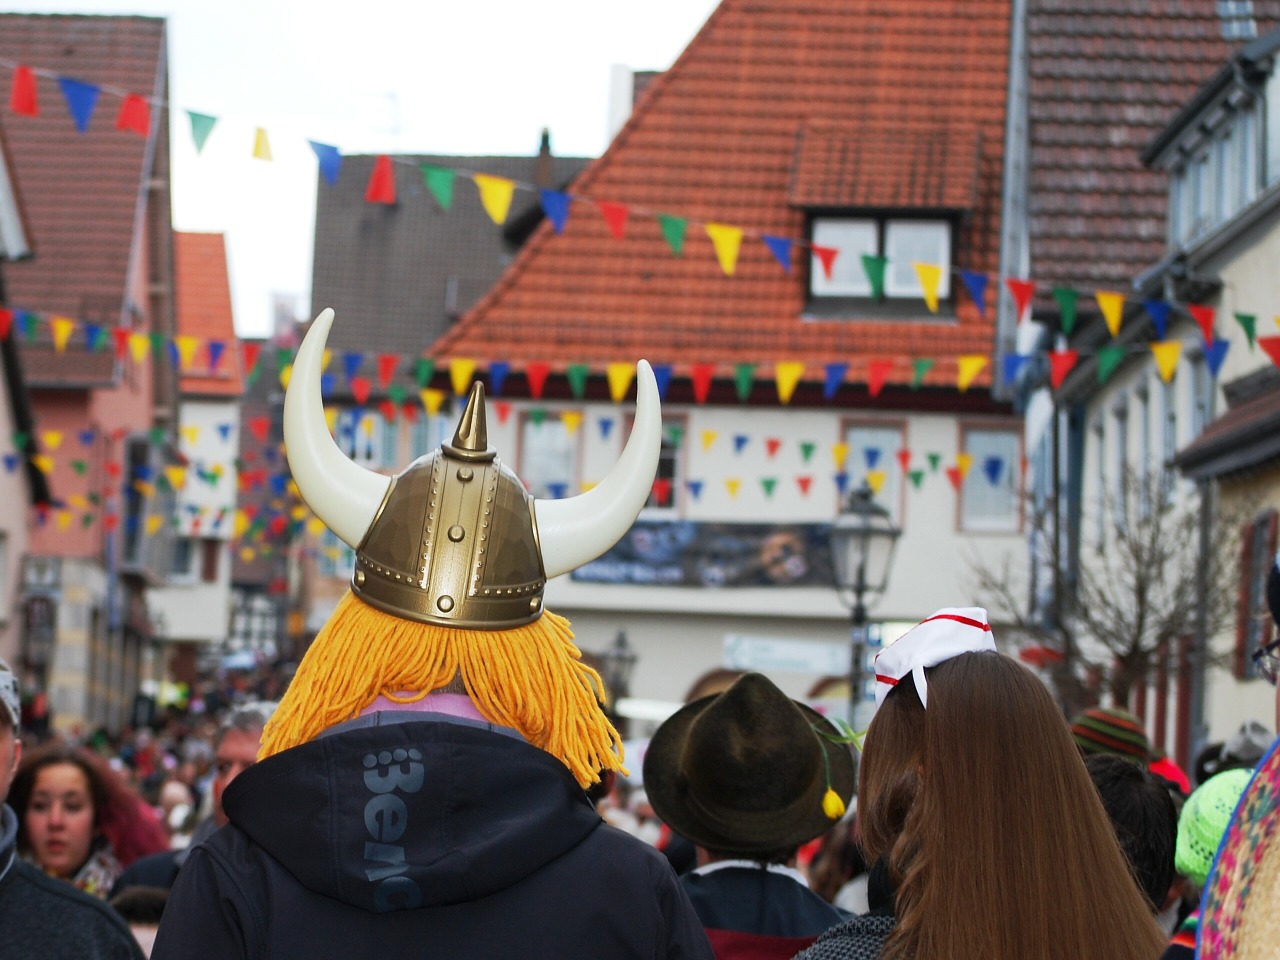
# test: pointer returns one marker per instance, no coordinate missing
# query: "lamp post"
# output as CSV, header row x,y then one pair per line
x,y
863,538
616,665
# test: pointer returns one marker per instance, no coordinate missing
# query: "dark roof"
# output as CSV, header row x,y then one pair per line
x,y
398,276
1244,438
713,139
1105,76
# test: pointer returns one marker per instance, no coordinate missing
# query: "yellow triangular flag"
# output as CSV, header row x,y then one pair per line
x,y
728,241
572,420
286,372
64,519
875,480
620,377
61,328
153,524
839,453
43,463
1112,306
78,501
964,461
315,526
324,360
461,372
733,486
930,275
495,195
240,524
969,366
51,439
298,512
177,476
139,346
588,485
187,347
708,440
787,376
331,418
148,490
1167,353
293,487
432,400
366,426
261,146
191,435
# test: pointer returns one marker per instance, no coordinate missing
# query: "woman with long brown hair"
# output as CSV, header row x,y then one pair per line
x,y
977,808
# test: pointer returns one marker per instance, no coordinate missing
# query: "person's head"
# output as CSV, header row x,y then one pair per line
x,y
992,833
1241,751
1204,820
748,772
453,555
10,723
236,749
142,909
67,800
1145,820
1114,731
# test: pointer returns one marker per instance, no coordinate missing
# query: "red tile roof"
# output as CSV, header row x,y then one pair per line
x,y
204,311
715,139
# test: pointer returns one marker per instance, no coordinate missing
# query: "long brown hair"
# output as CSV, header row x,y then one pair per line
x,y
993,834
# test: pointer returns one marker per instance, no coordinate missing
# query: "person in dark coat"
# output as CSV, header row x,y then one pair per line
x,y
748,775
420,790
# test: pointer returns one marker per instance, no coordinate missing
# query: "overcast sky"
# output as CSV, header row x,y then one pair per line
x,y
397,76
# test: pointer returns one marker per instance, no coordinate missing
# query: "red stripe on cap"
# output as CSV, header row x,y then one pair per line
x,y
964,620
880,678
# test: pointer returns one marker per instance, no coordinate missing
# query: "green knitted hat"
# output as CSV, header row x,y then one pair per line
x,y
1108,730
1204,820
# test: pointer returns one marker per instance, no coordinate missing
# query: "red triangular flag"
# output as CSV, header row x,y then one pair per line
x,y
249,353
662,490
953,474
877,374
904,460
388,411
22,98
134,115
772,445
615,217
826,256
114,469
6,323
387,367
260,427
110,522
360,387
1271,346
503,408
804,483
1204,316
1022,291
121,336
410,411
382,182
536,373
701,373
1061,363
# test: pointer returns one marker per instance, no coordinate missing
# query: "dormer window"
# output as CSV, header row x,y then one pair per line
x,y
902,242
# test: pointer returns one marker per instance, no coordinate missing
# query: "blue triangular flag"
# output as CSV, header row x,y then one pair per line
x,y
872,455
171,348
662,375
842,482
270,454
330,161
143,472
558,491
835,377
93,336
279,483
498,371
10,462
1158,310
1214,354
224,431
216,349
351,363
740,441
87,437
1013,364
606,427
993,467
81,98
976,284
327,382
556,206
695,488
780,247
26,321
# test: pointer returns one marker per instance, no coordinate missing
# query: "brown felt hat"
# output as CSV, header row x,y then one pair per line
x,y
746,770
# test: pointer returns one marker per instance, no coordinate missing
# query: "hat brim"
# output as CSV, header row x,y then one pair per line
x,y
666,789
1243,887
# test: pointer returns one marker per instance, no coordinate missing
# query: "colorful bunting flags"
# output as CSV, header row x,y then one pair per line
x,y
381,187
619,376
673,231
495,196
22,97
439,181
615,217
1066,298
976,284
261,145
134,115
201,126
81,99
1111,304
556,206
727,241
1022,292
330,161
788,375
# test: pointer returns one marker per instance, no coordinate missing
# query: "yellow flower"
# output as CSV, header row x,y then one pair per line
x,y
832,805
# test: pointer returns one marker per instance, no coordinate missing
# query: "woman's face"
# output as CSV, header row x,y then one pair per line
x,y
59,819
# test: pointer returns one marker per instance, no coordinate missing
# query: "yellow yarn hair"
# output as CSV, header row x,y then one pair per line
x,y
529,678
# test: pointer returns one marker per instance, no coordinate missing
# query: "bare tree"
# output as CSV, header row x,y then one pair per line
x,y
1135,592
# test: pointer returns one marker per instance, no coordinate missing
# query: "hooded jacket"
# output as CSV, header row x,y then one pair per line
x,y
422,836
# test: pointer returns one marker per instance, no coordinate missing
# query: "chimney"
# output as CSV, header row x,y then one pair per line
x,y
542,168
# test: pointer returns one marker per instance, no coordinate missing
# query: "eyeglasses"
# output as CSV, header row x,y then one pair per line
x,y
1266,660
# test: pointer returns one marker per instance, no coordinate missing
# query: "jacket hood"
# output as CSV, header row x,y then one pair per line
x,y
410,814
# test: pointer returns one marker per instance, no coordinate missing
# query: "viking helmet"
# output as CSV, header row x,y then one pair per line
x,y
455,539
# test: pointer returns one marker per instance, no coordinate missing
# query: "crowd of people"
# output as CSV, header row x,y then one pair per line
x,y
441,777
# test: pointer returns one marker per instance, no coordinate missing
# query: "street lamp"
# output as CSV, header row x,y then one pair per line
x,y
616,665
863,538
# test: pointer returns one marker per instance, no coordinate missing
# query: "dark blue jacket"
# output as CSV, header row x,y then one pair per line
x,y
425,838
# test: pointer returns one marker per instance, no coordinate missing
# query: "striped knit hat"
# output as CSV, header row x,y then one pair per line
x,y
1107,730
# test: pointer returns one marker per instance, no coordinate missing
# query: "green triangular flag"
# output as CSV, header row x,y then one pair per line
x,y
921,366
201,127
397,394
744,375
873,267
768,483
935,461
1066,298
917,477
156,436
87,520
576,373
79,466
674,433
806,449
1109,358
423,371
440,182
537,415
93,498
157,342
21,439
1249,322
284,357
673,230
162,483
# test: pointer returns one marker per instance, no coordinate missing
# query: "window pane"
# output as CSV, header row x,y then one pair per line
x,y
427,434
548,457
875,448
667,478
908,242
335,558
1247,135
989,496
361,436
852,238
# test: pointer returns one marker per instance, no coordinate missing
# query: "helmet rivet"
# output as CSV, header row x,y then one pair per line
x,y
359,578
533,603
445,604
466,474
456,533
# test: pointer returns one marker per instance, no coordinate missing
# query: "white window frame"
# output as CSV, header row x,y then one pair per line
x,y
849,279
340,567
977,486
672,463
537,456
860,436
